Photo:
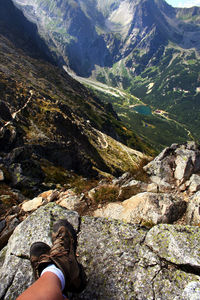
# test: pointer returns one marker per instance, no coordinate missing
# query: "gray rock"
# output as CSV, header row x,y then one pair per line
x,y
6,233
155,208
177,162
124,267
177,244
109,251
17,174
145,208
162,185
191,145
16,274
194,183
126,177
192,290
161,166
171,284
184,166
2,256
187,162
193,210
117,257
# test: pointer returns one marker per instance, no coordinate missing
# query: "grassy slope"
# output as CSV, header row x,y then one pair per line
x,y
170,85
148,127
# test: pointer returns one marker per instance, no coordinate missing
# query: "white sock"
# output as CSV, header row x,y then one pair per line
x,y
52,268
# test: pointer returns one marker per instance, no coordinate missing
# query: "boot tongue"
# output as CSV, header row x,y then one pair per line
x,y
60,246
64,238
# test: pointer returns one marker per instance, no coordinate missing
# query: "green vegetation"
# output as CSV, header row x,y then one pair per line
x,y
169,85
173,71
155,130
106,193
54,174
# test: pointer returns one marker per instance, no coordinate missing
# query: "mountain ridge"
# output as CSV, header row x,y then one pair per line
x,y
132,45
142,15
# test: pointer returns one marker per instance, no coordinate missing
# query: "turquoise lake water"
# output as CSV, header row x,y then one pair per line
x,y
143,109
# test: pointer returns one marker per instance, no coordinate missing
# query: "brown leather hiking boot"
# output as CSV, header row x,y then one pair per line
x,y
63,255
38,253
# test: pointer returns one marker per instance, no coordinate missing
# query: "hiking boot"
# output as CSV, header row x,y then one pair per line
x,y
63,255
38,253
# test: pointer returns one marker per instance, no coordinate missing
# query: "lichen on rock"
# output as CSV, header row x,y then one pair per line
x,y
122,261
177,244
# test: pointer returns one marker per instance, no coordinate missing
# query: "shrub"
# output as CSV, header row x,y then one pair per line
x,y
106,193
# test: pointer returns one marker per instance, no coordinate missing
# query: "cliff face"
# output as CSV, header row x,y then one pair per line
x,y
24,35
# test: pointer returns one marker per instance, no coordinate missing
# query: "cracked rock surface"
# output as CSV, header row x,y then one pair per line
x,y
122,261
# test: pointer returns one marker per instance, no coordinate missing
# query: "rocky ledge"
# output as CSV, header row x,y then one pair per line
x,y
141,240
122,261
168,192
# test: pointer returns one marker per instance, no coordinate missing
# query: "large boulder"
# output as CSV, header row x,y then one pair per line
x,y
176,163
153,208
162,165
193,183
122,261
193,210
187,161
176,244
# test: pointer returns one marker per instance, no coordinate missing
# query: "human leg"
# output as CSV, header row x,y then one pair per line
x,y
47,287
63,255
69,275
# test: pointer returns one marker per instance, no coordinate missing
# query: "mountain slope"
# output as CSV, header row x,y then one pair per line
x,y
50,124
145,47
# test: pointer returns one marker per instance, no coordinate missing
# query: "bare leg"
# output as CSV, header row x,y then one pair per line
x,y
47,287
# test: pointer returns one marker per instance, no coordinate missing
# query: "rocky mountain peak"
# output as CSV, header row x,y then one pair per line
x,y
131,24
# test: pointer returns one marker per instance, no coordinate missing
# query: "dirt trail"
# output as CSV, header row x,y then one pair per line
x,y
14,115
